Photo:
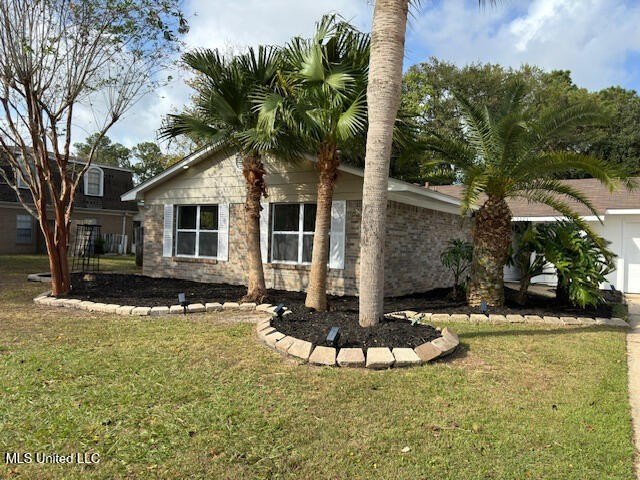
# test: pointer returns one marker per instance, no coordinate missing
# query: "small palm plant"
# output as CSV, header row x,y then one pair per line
x,y
505,155
224,118
320,97
457,258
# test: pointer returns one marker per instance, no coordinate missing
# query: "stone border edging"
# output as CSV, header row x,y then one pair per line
x,y
507,319
46,299
377,358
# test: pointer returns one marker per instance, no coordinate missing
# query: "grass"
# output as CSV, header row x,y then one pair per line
x,y
197,397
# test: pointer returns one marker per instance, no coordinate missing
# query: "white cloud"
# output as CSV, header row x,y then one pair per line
x,y
228,25
592,38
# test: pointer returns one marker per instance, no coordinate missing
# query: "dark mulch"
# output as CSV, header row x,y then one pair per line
x,y
127,289
390,332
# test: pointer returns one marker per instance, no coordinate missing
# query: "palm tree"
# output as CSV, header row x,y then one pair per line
x,y
383,96
321,97
505,154
223,116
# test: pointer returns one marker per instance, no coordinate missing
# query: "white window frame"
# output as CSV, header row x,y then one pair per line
x,y
86,182
22,217
196,230
300,233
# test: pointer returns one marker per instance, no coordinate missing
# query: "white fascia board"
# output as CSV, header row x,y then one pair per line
x,y
623,211
586,218
183,164
396,185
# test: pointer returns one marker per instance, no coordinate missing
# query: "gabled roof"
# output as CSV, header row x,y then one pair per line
x,y
619,201
394,185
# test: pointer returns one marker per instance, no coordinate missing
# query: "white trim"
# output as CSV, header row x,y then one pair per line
x,y
623,211
86,182
394,184
183,164
586,218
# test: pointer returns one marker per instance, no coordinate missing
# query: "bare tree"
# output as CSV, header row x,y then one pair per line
x,y
60,56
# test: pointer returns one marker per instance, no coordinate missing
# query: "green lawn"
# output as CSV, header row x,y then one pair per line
x,y
199,398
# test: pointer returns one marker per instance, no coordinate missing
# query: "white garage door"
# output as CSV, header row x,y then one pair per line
x,y
631,232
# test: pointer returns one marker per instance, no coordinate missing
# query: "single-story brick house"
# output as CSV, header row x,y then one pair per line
x,y
619,224
194,227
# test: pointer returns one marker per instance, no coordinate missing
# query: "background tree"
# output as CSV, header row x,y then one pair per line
x,y
428,92
54,56
105,152
321,98
150,160
505,154
224,118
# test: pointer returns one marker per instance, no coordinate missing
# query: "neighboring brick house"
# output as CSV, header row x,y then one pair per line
x,y
97,202
618,223
194,226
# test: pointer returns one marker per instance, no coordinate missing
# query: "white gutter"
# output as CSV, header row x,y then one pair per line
x,y
623,211
586,218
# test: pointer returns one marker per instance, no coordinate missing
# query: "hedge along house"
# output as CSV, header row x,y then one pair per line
x,y
194,226
618,224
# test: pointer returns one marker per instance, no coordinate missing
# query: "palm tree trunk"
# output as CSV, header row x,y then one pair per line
x,y
328,161
383,99
525,282
254,172
491,241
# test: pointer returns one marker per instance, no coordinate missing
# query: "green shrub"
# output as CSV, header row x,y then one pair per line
x,y
582,262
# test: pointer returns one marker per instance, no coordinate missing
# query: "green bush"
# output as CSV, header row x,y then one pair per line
x,y
582,262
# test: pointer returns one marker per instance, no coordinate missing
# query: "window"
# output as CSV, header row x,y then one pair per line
x,y
24,229
19,181
197,231
292,232
94,182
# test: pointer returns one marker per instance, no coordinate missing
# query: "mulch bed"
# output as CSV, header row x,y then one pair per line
x,y
142,291
305,324
314,327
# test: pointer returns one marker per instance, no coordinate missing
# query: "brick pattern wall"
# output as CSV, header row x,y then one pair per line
x,y
415,239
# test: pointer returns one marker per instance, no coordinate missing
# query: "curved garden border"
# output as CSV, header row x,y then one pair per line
x,y
377,358
506,319
48,300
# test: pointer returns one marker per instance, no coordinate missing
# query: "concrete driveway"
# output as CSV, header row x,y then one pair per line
x,y
633,352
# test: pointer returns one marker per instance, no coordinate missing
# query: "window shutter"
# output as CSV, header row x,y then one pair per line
x,y
223,232
264,231
338,222
167,237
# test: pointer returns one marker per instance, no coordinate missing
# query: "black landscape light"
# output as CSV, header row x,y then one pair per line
x,y
334,337
279,310
483,307
182,300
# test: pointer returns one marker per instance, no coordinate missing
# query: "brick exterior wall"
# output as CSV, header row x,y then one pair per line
x,y
415,239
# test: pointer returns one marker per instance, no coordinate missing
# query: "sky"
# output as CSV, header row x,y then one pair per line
x,y
598,40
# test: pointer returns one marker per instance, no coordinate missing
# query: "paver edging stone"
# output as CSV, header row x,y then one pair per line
x,y
381,358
